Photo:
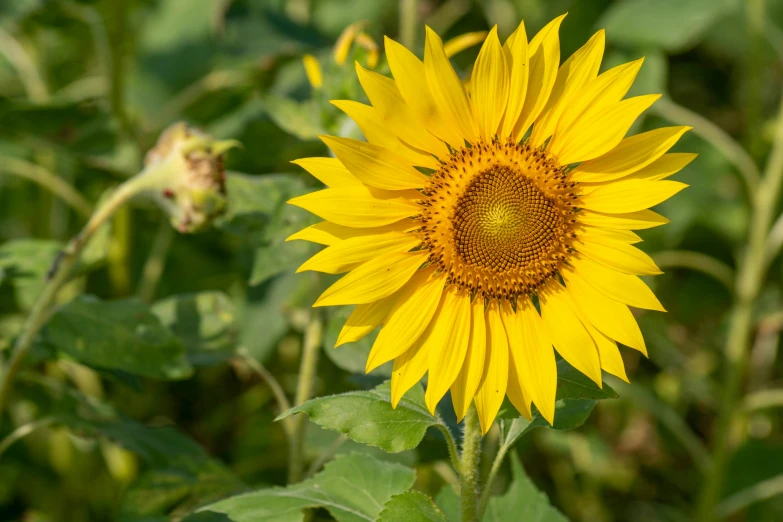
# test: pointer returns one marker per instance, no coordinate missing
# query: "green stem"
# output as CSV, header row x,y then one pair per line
x,y
452,446
156,262
311,347
25,67
22,431
493,472
698,261
408,19
715,136
48,180
749,282
150,178
469,467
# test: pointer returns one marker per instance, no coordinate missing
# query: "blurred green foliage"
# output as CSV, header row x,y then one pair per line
x,y
144,389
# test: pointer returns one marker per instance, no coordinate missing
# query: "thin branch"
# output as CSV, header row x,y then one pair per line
x,y
48,180
764,399
716,136
763,490
22,431
25,67
274,385
696,261
156,262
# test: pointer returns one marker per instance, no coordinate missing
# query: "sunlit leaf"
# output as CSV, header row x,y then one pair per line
x,y
411,506
368,417
352,488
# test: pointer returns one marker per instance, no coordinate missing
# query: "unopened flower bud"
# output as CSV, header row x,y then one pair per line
x,y
194,187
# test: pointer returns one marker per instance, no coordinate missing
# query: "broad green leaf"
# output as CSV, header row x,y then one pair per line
x,y
351,357
367,417
120,335
302,119
448,501
206,324
411,506
352,488
673,25
522,501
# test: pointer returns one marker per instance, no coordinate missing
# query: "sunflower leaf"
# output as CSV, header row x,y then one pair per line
x,y
368,417
573,384
411,506
569,414
352,488
522,501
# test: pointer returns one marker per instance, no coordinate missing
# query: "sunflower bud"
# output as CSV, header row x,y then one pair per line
x,y
194,192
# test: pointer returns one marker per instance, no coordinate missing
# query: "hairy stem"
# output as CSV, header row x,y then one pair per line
x,y
469,467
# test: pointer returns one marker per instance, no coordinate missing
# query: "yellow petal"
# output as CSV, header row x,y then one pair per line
x,y
663,167
535,358
599,94
590,137
328,171
492,389
463,41
632,154
489,85
375,166
638,220
447,345
326,233
617,255
580,68
446,88
377,133
620,235
544,59
359,206
625,288
313,71
571,339
373,280
516,392
464,388
408,72
408,369
398,117
408,319
624,196
349,254
364,319
516,50
607,315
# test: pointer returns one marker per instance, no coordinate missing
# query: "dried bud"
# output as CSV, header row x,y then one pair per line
x,y
194,188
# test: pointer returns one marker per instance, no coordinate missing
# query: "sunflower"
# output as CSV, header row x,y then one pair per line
x,y
485,224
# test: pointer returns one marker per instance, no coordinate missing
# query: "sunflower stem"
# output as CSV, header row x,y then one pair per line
x,y
469,467
749,283
311,347
62,268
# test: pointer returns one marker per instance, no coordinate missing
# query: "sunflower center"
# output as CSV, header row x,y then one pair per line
x,y
498,219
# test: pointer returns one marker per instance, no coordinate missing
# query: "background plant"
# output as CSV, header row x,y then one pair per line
x,y
152,389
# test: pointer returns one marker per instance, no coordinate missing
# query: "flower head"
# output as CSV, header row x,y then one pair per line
x,y
484,227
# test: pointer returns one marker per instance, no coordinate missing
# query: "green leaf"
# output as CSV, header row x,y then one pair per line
x,y
569,414
352,488
302,119
448,501
573,384
522,501
181,473
367,417
411,506
351,357
25,263
672,25
205,322
119,335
